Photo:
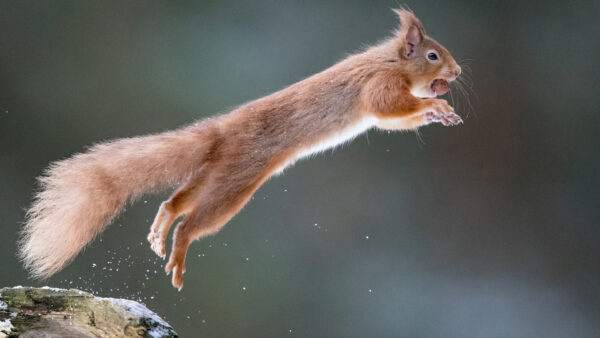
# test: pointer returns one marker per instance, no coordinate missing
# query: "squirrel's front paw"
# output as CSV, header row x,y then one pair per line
x,y
441,111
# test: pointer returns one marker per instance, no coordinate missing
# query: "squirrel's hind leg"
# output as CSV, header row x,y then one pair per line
x,y
220,201
179,204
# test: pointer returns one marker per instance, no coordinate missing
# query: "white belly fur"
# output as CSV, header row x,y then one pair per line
x,y
333,140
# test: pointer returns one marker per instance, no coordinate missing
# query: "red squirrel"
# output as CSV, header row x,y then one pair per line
x,y
218,163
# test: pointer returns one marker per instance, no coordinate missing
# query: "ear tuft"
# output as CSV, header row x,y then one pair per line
x,y
411,30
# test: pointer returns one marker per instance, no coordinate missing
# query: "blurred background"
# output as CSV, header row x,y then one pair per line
x,y
488,229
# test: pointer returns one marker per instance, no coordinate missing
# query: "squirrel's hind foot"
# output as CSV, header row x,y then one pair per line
x,y
157,244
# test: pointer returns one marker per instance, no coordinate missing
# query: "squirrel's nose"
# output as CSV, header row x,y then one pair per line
x,y
457,71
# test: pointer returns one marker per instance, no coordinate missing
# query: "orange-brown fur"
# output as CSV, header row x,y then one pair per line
x,y
220,162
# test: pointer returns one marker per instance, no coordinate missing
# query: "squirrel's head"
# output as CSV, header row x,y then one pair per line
x,y
431,65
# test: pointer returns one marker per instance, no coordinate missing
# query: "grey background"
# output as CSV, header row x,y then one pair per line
x,y
489,229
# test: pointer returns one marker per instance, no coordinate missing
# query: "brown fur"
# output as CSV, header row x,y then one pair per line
x,y
220,162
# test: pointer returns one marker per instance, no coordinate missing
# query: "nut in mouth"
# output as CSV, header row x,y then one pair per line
x,y
440,86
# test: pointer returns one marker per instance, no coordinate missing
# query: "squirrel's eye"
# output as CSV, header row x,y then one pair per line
x,y
432,56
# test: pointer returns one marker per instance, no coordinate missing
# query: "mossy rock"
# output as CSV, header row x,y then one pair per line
x,y
49,312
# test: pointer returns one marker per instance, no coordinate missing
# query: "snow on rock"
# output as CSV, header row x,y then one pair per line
x,y
54,289
142,311
5,328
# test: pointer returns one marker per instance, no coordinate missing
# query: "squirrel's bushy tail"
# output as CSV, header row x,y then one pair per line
x,y
81,195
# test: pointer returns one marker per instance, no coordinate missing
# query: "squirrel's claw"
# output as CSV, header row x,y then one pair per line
x,y
445,118
178,269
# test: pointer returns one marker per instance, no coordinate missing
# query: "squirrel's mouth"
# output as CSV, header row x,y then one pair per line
x,y
440,86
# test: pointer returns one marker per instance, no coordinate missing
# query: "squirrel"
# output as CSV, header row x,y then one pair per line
x,y
218,163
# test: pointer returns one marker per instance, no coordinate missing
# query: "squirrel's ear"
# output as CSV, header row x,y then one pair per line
x,y
411,31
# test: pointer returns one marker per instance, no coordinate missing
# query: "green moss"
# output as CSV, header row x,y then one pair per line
x,y
24,322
